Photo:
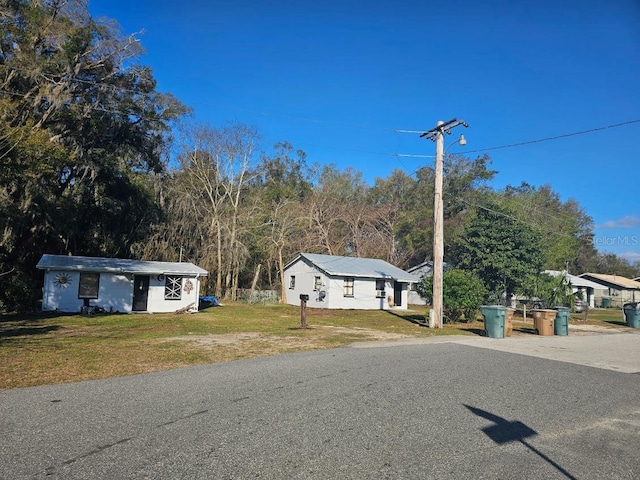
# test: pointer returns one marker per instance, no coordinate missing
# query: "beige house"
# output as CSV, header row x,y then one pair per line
x,y
619,290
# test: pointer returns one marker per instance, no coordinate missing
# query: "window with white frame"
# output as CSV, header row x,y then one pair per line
x,y
380,288
348,287
292,282
172,287
317,283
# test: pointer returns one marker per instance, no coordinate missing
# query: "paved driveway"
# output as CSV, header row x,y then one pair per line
x,y
615,349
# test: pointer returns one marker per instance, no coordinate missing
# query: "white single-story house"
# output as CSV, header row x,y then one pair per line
x,y
617,290
588,289
77,284
346,282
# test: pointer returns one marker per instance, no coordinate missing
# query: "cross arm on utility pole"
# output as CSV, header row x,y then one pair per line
x,y
443,127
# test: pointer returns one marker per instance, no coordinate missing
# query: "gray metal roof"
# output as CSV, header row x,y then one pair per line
x,y
576,281
357,267
117,265
425,269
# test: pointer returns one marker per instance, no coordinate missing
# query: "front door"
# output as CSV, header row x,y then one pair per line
x,y
397,294
140,293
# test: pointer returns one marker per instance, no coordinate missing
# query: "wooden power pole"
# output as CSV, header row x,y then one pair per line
x,y
437,135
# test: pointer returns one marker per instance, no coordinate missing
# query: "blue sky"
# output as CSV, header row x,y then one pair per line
x,y
338,79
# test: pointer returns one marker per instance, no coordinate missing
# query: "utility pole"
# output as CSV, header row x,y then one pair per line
x,y
437,135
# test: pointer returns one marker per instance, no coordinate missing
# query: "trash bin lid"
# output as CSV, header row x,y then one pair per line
x,y
493,307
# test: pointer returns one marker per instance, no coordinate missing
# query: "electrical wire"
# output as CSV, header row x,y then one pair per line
x,y
557,137
519,220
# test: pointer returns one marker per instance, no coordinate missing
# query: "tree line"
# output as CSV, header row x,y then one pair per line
x,y
95,161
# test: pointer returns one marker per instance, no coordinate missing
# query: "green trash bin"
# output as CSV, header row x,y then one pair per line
x,y
632,314
606,303
494,320
561,323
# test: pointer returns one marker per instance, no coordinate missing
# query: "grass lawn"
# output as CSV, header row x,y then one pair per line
x,y
47,349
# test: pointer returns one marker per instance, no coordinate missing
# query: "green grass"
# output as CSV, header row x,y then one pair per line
x,y
612,316
46,349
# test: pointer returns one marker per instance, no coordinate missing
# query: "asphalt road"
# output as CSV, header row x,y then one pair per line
x,y
450,409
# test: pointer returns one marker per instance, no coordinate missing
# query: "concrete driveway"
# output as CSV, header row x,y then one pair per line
x,y
611,348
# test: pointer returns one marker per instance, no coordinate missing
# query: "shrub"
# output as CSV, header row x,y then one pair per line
x,y
462,294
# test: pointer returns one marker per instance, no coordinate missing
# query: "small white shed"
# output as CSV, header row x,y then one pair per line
x,y
76,284
346,282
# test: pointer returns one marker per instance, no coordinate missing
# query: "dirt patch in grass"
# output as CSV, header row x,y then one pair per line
x,y
317,337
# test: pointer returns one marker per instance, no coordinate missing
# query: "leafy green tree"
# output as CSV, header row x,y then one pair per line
x,y
610,263
499,249
462,294
82,133
465,182
565,229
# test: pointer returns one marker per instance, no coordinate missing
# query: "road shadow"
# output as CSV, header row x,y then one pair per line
x,y
410,317
617,323
528,330
476,331
503,431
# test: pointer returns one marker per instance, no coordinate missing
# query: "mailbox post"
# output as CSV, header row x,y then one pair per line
x,y
303,310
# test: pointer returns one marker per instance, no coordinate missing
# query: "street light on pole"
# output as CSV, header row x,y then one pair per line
x,y
437,135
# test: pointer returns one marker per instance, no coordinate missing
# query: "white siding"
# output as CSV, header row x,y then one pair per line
x,y
115,293
156,302
364,294
304,284
364,290
63,298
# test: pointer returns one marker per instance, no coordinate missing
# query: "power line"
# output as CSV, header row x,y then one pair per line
x,y
532,225
547,139
533,208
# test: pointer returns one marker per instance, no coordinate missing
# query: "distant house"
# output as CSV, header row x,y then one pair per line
x,y
618,290
75,284
346,282
589,290
425,269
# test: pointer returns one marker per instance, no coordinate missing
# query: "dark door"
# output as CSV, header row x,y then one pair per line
x,y
140,293
397,294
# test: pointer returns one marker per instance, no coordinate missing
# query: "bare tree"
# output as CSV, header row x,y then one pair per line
x,y
216,165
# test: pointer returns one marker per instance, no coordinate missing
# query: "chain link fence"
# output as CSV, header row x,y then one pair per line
x,y
260,297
